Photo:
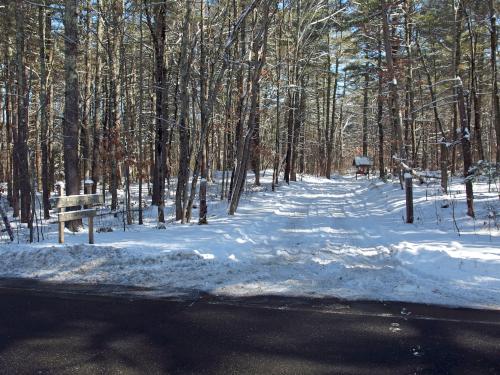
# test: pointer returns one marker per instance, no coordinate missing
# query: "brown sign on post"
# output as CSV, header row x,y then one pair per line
x,y
76,200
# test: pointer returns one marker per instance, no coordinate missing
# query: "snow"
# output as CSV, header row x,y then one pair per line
x,y
466,134
342,237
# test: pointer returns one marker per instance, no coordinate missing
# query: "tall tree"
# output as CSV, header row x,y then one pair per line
x,y
22,115
495,98
156,19
396,115
259,50
44,23
71,108
183,126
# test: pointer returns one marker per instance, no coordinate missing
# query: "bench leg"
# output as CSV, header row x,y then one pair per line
x,y
91,230
61,232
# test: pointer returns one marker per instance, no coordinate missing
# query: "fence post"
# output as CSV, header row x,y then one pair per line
x,y
87,188
91,230
59,190
409,196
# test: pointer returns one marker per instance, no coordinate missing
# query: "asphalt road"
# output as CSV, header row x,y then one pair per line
x,y
61,329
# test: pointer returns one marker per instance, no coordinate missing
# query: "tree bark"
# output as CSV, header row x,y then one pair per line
x,y
466,149
397,120
114,42
22,116
184,131
141,84
158,34
365,111
494,78
71,117
259,50
44,27
85,102
331,135
457,54
97,110
380,112
256,142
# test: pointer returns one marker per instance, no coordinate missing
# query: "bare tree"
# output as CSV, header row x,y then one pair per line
x,y
71,108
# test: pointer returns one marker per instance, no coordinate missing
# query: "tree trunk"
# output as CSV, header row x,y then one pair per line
x,y
97,110
141,116
466,149
457,54
256,142
397,120
22,117
44,22
259,49
410,137
277,143
184,132
70,120
202,219
380,112
494,89
9,125
158,30
85,111
329,146
290,141
114,43
365,111
330,140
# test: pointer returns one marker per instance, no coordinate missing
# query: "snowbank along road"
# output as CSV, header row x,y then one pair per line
x,y
342,237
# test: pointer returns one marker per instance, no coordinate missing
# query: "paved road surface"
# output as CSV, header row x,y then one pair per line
x,y
58,329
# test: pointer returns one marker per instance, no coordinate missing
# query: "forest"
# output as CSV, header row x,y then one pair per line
x,y
160,94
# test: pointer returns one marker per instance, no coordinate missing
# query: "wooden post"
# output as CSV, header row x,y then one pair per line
x,y
61,223
409,197
87,188
91,230
61,232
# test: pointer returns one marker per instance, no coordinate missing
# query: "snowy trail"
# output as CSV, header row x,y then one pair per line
x,y
317,237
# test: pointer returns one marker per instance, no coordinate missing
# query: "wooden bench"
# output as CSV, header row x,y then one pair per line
x,y
86,200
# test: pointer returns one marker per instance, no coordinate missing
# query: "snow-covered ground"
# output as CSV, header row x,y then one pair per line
x,y
342,237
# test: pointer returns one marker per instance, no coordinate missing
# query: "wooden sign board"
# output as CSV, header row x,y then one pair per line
x,y
76,200
75,215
